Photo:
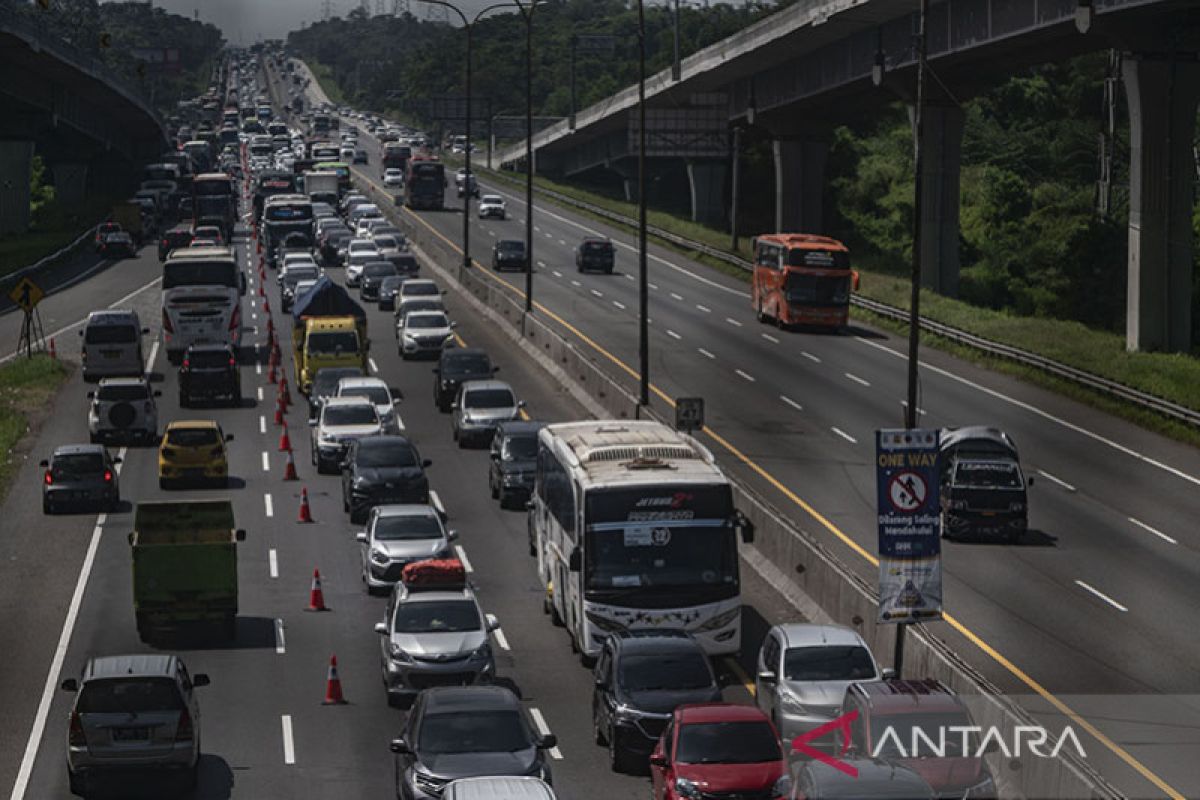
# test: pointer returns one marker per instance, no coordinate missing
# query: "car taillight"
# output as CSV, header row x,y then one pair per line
x,y
233,362
75,735
49,478
186,364
166,322
108,476
235,319
184,732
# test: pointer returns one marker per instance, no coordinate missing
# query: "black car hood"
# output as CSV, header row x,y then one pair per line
x,y
664,701
468,765
381,475
510,467
466,376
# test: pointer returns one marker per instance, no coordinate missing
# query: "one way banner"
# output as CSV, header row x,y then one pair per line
x,y
908,503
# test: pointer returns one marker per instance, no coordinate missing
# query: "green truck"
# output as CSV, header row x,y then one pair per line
x,y
184,565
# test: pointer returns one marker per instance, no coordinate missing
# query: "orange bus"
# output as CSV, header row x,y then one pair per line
x,y
802,279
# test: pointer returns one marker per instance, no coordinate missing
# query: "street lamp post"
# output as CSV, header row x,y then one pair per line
x,y
527,8
643,291
468,25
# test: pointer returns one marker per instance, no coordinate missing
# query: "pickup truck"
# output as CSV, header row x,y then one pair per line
x,y
184,565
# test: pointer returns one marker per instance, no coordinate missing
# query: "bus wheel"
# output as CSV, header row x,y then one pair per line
x,y
759,314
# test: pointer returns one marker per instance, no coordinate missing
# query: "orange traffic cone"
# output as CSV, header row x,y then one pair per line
x,y
289,473
53,351
259,240
283,390
261,291
285,441
278,412
333,685
305,511
270,328
266,306
316,598
271,377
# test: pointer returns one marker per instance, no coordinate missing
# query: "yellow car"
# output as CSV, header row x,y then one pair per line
x,y
193,451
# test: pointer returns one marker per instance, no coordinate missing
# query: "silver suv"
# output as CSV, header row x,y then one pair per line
x,y
480,407
123,409
133,713
434,637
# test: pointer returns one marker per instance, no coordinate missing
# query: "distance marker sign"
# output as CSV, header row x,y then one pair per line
x,y
906,477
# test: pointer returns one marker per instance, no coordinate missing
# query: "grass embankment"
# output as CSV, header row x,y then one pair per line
x,y
1174,377
53,229
26,388
325,79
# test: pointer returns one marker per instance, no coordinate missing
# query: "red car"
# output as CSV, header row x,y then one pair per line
x,y
719,750
102,230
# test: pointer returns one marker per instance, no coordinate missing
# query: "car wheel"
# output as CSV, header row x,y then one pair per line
x,y
503,497
113,505
77,783
47,506
93,438
597,732
162,483
492,486
183,400
618,759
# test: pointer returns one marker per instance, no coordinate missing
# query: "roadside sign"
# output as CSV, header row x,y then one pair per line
x,y
689,414
26,295
910,569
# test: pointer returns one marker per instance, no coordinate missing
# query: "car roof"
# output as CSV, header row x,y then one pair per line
x,y
718,712
79,449
333,402
463,352
803,634
423,595
654,641
406,510
123,382
118,316
204,347
900,696
192,424
470,386
358,381
139,665
500,787
875,778
519,427
450,699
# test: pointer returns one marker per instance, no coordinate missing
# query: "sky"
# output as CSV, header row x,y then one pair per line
x,y
245,22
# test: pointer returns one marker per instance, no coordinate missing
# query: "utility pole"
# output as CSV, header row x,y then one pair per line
x,y
643,290
676,67
735,156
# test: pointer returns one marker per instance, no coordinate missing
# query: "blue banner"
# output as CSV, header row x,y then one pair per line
x,y
908,508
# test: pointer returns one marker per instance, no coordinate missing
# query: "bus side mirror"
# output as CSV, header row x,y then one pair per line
x,y
744,526
575,560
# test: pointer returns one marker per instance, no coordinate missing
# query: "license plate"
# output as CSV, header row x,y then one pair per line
x,y
130,734
989,513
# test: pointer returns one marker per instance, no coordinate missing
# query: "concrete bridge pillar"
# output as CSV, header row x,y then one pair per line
x,y
16,161
70,181
941,153
706,179
1163,95
799,185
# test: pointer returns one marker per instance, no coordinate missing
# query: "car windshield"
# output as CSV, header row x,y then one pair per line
x,y
520,448
391,284
397,453
333,342
937,728
129,696
473,732
297,274
437,616
378,270
200,273
677,671
110,334
350,415
379,395
727,743
122,392
192,437
828,663
491,199
208,358
512,247
427,321
420,289
407,527
987,475
489,398
388,242
466,365
79,464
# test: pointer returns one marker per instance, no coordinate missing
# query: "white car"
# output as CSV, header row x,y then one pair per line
x,y
356,262
123,409
492,205
367,224
342,420
425,333
393,177
378,393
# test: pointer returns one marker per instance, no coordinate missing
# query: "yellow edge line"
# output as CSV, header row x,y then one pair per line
x,y
995,655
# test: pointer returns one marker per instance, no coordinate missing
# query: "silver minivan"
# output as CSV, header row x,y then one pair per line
x,y
112,345
499,788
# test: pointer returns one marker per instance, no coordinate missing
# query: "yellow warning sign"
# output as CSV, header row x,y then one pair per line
x,y
26,294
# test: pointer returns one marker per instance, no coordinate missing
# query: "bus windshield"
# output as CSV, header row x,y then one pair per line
x,y
817,290
200,273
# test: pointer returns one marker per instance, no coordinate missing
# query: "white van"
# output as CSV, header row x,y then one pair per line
x,y
527,788
112,345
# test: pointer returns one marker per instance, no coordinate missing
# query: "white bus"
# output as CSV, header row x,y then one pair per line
x,y
202,290
634,527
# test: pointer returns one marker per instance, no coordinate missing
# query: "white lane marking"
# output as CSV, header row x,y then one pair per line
x,y
501,639
273,562
435,499
266,461
810,356
744,375
549,235
920,411
260,394
856,379
289,748
770,338
673,334
676,296
1158,533
705,309
253,315
258,369
1101,595
268,506
562,242
262,424
597,293
844,435
536,228
733,322
540,722
629,276
619,304
374,366
1053,479
791,402
576,283
491,232
543,265
705,353
1129,451
280,640
462,556
653,286
557,274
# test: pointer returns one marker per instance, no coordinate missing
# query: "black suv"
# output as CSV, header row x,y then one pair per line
x,y
456,366
209,371
513,462
640,678
179,236
324,386
464,731
595,254
509,254
379,470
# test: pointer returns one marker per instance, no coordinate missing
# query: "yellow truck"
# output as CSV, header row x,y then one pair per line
x,y
329,329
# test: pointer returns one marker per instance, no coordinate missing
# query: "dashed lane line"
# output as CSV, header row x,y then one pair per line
x,y
1057,480
1158,533
540,722
844,435
856,379
273,563
1092,590
791,402
268,506
705,353
289,747
280,640
744,375
462,556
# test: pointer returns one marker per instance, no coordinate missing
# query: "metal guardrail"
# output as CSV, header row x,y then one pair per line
x,y
1097,383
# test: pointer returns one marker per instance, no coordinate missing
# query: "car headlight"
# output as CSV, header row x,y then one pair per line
x,y
686,788
428,783
626,713
790,703
721,620
782,787
1016,505
380,557
604,623
408,337
483,652
398,654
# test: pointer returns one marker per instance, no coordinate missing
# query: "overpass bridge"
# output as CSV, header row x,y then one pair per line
x,y
799,73
89,126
